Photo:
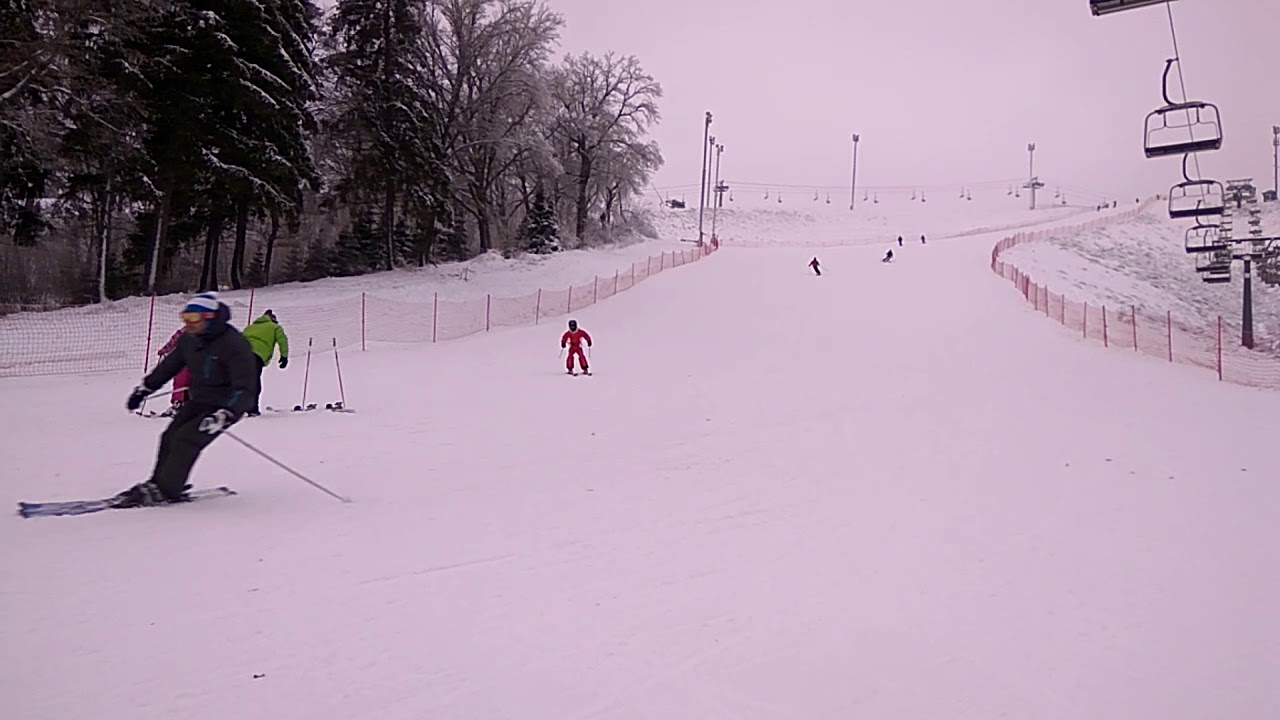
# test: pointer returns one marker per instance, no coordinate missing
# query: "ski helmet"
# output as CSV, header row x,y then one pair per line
x,y
573,324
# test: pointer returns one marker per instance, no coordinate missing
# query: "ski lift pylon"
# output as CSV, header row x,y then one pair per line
x,y
1181,128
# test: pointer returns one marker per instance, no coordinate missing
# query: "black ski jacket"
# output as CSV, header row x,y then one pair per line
x,y
223,371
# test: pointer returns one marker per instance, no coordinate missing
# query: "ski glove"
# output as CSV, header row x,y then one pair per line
x,y
219,420
284,362
136,397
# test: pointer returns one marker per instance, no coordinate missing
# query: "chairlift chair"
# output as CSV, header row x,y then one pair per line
x,y
1204,239
1181,128
1269,271
1196,198
1107,7
1216,278
1219,261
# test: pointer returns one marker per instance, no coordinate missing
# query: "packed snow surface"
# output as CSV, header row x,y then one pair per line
x,y
893,491
1143,263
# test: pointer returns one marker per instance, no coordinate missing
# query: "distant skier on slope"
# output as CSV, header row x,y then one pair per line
x,y
573,339
817,267
888,257
899,241
222,386
922,242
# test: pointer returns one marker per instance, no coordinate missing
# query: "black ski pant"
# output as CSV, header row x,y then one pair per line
x,y
180,445
257,396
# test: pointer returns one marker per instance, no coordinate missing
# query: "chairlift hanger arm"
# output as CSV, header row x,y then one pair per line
x,y
1109,7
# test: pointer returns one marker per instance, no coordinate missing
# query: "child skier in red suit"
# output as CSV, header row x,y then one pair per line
x,y
180,381
574,339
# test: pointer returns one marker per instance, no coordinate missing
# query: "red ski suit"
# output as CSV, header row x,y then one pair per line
x,y
574,339
183,378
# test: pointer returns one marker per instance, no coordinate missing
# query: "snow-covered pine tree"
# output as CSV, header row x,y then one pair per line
x,y
381,111
539,232
359,247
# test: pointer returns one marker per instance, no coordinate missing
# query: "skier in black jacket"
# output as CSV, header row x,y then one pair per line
x,y
223,385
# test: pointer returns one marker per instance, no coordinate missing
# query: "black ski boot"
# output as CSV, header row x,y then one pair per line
x,y
147,494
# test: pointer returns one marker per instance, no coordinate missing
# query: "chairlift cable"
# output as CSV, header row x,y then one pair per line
x,y
1182,83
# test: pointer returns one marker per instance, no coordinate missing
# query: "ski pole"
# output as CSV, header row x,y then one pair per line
x,y
342,394
306,375
286,468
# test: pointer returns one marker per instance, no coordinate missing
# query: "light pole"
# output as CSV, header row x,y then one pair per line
x,y
711,148
715,204
702,196
1275,167
853,181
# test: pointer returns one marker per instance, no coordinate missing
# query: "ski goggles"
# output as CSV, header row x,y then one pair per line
x,y
195,318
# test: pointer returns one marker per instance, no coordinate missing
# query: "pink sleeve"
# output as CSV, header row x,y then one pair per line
x,y
172,344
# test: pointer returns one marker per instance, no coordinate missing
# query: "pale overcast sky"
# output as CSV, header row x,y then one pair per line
x,y
942,91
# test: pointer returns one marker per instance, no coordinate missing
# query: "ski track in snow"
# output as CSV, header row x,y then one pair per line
x,y
893,491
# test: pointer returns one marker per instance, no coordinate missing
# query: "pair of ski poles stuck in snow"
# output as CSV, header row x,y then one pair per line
x,y
306,376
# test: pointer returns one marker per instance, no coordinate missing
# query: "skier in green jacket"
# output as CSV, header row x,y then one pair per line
x,y
264,334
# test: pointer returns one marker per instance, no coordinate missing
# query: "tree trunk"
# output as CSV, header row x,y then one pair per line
x,y
584,178
102,216
389,223
237,253
162,230
484,230
213,237
610,197
271,247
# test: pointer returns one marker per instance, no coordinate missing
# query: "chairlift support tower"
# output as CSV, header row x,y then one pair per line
x,y
1033,183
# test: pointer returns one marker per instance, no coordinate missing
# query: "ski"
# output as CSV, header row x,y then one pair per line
x,y
84,507
296,408
338,407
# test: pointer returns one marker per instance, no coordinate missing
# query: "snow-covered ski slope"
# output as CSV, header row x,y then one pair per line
x,y
753,221
1143,263
893,491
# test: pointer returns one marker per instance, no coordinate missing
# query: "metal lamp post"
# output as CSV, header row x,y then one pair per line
x,y
702,196
715,204
853,181
1275,167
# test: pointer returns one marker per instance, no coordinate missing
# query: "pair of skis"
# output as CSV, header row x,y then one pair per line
x,y
85,507
332,407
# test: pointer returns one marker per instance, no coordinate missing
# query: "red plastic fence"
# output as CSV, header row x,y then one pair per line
x,y
124,335
1151,332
